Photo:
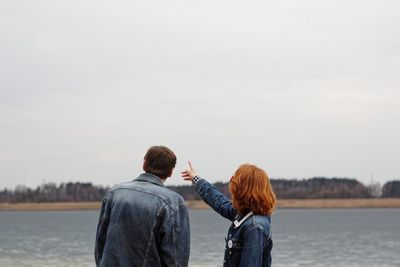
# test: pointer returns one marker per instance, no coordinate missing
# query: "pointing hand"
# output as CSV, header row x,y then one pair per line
x,y
188,174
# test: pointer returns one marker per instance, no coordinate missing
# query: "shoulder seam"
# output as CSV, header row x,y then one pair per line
x,y
149,193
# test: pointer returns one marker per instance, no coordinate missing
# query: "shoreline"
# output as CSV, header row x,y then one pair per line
x,y
198,204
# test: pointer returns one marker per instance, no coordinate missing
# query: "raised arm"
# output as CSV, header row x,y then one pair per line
x,y
214,198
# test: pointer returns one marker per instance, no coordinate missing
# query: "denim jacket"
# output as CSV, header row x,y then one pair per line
x,y
142,223
248,244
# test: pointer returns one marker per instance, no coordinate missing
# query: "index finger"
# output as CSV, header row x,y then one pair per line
x,y
190,165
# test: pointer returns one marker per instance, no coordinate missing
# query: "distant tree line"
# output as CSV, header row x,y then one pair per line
x,y
318,187
50,192
391,189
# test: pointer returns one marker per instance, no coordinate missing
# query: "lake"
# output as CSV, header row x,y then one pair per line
x,y
302,237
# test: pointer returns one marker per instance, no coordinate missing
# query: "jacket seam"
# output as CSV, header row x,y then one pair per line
x,y
152,235
166,202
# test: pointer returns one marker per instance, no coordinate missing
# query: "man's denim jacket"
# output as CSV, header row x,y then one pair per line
x,y
249,244
142,223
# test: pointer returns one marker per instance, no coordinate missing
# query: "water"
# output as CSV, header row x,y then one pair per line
x,y
342,237
354,237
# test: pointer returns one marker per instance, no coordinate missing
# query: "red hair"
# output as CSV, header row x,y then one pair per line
x,y
252,191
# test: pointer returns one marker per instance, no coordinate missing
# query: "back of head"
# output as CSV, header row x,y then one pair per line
x,y
252,191
160,161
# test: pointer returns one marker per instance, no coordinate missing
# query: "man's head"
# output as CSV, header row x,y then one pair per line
x,y
160,161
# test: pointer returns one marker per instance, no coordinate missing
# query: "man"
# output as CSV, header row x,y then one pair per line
x,y
142,223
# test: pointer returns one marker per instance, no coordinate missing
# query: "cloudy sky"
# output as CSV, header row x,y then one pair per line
x,y
300,88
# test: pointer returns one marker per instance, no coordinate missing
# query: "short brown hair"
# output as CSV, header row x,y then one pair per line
x,y
252,191
160,161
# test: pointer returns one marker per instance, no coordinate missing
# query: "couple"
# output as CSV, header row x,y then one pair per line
x,y
142,223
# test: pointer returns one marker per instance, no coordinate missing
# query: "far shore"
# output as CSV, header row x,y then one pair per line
x,y
282,204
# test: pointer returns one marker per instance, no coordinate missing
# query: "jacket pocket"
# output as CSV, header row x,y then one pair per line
x,y
235,248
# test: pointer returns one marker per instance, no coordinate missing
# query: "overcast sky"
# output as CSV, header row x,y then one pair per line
x,y
300,88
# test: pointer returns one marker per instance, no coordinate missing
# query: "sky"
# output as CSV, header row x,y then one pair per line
x,y
299,88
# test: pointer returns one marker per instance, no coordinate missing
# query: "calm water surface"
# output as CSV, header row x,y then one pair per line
x,y
342,237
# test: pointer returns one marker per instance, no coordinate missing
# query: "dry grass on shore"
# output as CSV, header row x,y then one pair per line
x,y
282,204
324,203
48,206
340,203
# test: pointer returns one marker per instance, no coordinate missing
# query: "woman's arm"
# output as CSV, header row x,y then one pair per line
x,y
214,198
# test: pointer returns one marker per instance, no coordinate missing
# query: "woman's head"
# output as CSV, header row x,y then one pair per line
x,y
252,191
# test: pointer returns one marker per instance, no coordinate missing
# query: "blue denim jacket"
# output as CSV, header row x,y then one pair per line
x,y
249,244
142,223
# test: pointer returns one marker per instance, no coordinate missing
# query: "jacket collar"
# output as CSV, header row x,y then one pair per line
x,y
150,178
238,222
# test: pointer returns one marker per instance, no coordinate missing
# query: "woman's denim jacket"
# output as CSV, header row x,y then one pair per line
x,y
143,223
248,245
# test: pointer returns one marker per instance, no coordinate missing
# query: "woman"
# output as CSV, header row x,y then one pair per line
x,y
249,240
